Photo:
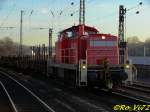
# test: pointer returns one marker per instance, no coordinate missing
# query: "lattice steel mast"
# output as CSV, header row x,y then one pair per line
x,y
82,12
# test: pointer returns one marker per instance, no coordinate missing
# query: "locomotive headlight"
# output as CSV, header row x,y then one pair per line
x,y
83,66
103,37
127,66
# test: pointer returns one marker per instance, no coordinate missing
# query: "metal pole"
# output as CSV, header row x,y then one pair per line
x,y
144,51
21,40
82,12
50,48
50,43
122,13
121,34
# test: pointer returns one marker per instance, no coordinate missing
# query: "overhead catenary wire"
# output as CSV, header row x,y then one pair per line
x,y
77,10
7,29
104,18
30,15
57,16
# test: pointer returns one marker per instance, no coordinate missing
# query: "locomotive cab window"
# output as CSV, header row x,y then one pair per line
x,y
71,34
97,43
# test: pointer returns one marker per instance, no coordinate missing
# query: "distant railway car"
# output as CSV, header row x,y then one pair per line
x,y
85,57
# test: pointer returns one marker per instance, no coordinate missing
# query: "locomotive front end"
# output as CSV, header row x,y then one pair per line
x,y
104,69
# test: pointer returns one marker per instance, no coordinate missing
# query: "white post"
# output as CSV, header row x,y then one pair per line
x,y
144,51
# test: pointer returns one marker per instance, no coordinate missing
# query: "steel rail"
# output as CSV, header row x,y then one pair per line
x,y
144,90
10,99
132,98
142,84
126,96
47,107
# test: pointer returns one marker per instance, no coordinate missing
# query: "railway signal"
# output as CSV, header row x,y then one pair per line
x,y
121,32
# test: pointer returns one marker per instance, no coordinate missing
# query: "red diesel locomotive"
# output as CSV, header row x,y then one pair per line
x,y
85,57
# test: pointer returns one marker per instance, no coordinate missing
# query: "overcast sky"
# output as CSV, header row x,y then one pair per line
x,y
103,14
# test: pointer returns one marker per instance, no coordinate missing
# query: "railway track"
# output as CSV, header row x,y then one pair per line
x,y
133,97
121,99
138,88
141,84
5,105
60,100
139,94
125,95
76,100
21,98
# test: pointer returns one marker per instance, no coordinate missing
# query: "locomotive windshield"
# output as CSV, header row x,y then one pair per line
x,y
72,34
97,43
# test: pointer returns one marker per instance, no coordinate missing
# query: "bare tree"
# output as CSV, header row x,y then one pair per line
x,y
7,47
133,39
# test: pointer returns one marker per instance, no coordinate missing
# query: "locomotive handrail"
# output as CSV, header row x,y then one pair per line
x,y
100,55
70,54
100,49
